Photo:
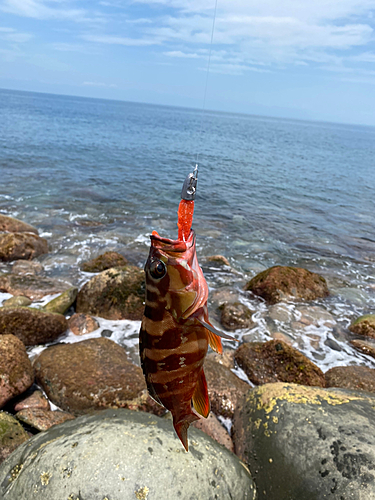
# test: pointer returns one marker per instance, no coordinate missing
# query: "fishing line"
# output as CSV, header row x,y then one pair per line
x,y
206,84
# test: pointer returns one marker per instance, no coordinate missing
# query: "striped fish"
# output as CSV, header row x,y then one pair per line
x,y
176,332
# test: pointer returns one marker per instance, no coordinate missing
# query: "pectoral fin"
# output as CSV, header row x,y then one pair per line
x,y
214,331
200,398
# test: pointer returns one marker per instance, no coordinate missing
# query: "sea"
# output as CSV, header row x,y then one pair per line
x,y
95,175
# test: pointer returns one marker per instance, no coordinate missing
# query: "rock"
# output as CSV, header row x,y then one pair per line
x,y
17,301
359,378
12,225
12,434
365,346
80,324
236,315
41,419
15,246
213,428
89,375
35,400
61,304
121,454
224,388
27,267
105,261
16,372
308,443
219,259
143,402
117,293
277,361
30,325
33,287
364,325
279,283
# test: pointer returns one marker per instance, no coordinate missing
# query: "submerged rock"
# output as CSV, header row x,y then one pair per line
x,y
236,315
219,259
351,377
105,261
280,282
120,454
90,375
32,326
41,419
12,434
15,246
27,267
62,303
33,287
364,325
277,361
80,324
117,293
13,225
16,372
308,443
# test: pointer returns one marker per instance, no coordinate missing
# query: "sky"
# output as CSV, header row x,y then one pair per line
x,y
304,59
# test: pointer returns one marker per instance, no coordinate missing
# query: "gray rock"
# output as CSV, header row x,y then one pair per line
x,y
62,303
122,454
307,442
17,301
27,267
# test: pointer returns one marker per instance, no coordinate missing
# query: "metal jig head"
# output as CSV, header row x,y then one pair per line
x,y
190,185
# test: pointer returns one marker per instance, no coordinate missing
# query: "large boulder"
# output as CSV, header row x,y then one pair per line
x,y
360,378
116,293
90,375
62,303
308,443
12,434
105,261
30,325
282,283
16,372
12,225
121,454
277,361
27,246
364,325
33,287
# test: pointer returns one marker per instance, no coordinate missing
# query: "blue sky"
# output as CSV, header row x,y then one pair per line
x,y
309,59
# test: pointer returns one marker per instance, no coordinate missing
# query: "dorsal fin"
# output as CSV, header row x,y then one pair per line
x,y
201,401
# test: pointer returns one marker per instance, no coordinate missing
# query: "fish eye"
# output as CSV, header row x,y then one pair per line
x,y
158,269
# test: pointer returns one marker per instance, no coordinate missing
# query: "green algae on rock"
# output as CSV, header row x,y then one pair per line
x,y
17,301
12,434
122,454
364,325
282,283
61,304
308,443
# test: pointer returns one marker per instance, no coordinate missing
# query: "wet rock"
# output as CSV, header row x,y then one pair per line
x,y
33,287
277,361
41,419
30,325
224,388
280,282
15,246
308,443
27,267
61,304
16,372
364,325
364,346
280,313
17,301
90,375
351,377
12,434
315,315
219,259
36,400
121,454
236,315
80,324
143,402
12,225
105,261
213,428
117,293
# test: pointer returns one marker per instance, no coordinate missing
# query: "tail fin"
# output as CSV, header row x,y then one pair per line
x,y
181,428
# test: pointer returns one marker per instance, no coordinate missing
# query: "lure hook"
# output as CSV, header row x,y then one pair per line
x,y
190,185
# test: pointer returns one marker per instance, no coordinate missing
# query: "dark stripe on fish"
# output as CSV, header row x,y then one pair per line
x,y
154,313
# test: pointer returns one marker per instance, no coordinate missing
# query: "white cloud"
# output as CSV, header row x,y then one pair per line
x,y
119,40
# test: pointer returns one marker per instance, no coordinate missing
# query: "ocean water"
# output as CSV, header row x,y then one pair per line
x,y
96,175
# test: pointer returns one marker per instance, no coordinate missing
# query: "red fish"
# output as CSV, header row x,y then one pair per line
x,y
175,330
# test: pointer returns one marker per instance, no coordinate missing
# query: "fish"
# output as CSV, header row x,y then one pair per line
x,y
175,330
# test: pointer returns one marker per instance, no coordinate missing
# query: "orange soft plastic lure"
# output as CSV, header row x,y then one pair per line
x,y
185,219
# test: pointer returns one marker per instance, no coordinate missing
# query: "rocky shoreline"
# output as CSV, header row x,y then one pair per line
x,y
285,431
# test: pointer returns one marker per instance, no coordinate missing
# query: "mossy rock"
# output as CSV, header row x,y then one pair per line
x,y
282,283
26,246
117,293
17,301
364,325
61,304
103,262
12,434
277,361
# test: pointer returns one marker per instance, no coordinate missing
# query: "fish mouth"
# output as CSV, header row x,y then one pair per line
x,y
174,246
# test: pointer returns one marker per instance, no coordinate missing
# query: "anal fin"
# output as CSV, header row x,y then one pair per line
x,y
201,401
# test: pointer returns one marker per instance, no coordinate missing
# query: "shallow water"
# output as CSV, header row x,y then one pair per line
x,y
97,175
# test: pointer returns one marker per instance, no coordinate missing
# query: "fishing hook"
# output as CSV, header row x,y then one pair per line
x,y
190,185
